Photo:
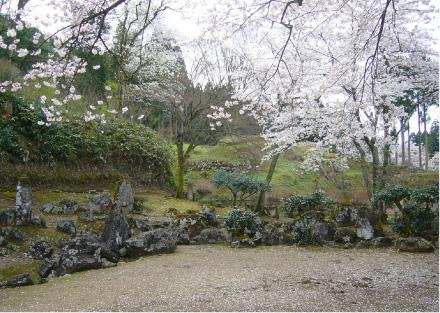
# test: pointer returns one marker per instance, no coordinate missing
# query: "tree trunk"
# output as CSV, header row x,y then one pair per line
x,y
386,159
425,133
419,136
364,168
273,164
402,139
409,146
180,169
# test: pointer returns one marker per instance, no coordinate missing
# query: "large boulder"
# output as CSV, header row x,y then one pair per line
x,y
23,205
116,231
212,235
312,228
80,253
40,250
210,216
49,266
413,244
139,224
66,226
364,229
125,199
19,280
152,242
7,217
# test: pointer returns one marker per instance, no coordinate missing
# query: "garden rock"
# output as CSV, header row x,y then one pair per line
x,y
100,203
125,199
313,227
210,216
413,244
116,231
23,205
48,266
68,206
7,217
80,253
151,242
40,250
19,280
139,224
66,226
364,229
345,235
212,235
47,207
180,233
3,241
381,242
39,222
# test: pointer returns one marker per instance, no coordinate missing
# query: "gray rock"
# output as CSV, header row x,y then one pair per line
x,y
68,206
19,280
48,266
381,242
100,203
40,250
151,242
7,217
313,229
125,198
364,229
413,244
39,221
3,241
47,207
23,205
80,253
116,231
66,226
212,235
210,216
139,224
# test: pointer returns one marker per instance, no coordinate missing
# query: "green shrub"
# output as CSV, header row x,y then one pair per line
x,y
129,147
295,205
241,222
416,216
241,186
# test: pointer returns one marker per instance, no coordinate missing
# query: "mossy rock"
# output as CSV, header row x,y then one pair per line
x,y
345,235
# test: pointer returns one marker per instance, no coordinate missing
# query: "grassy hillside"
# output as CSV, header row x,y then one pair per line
x,y
288,179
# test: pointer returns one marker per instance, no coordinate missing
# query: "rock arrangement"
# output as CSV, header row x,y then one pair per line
x,y
134,236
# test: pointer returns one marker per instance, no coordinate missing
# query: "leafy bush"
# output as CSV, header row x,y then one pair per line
x,y
241,222
295,205
241,186
130,147
416,215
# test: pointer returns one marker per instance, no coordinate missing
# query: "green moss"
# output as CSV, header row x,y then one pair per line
x,y
8,271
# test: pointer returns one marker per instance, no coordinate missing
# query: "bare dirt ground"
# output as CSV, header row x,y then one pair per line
x,y
218,278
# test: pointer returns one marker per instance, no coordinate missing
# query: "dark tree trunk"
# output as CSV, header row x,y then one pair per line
x,y
402,139
419,136
425,134
409,146
273,164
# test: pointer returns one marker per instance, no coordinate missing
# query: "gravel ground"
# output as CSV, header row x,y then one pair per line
x,y
218,278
